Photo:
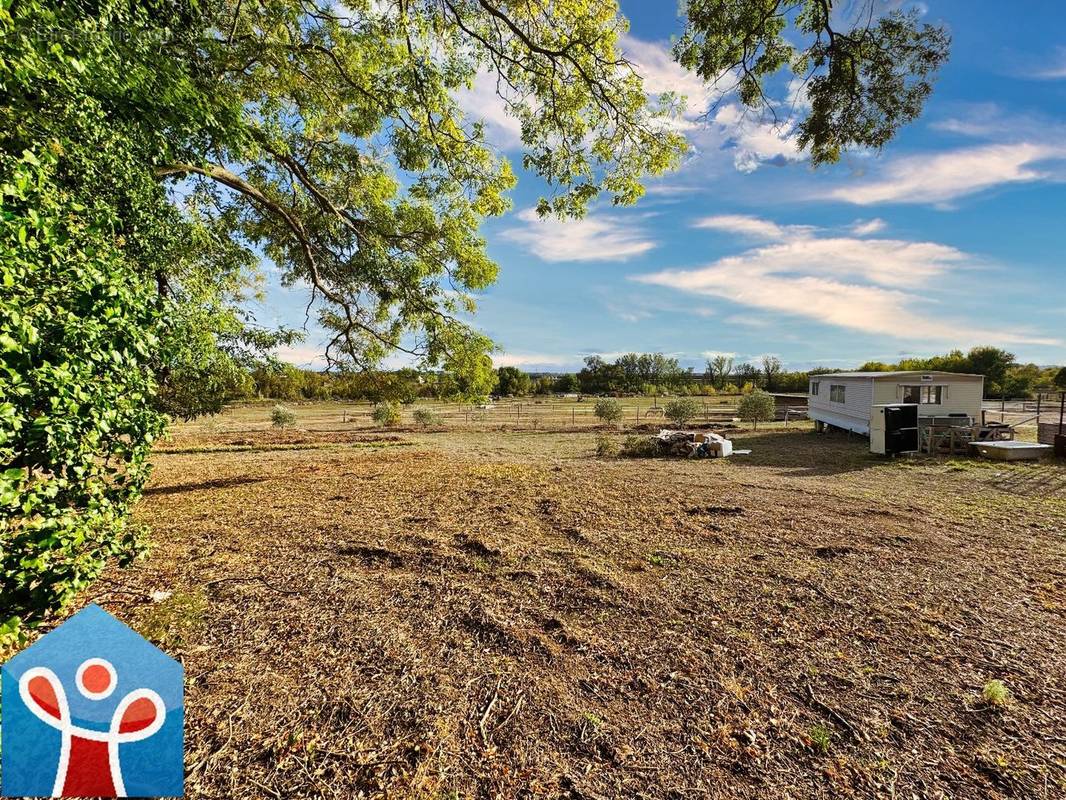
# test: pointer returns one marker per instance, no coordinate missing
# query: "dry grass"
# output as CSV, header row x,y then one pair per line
x,y
486,616
547,413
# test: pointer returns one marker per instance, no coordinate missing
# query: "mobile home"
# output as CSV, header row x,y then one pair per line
x,y
846,399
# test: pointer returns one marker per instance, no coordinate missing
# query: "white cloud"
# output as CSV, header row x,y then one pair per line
x,y
1053,68
868,285
593,238
941,177
482,101
754,227
655,64
755,141
868,227
311,357
533,359
716,129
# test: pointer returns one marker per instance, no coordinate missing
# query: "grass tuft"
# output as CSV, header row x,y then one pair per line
x,y
821,737
175,620
996,694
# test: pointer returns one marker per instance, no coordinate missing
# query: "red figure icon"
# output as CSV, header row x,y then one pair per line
x,y
89,759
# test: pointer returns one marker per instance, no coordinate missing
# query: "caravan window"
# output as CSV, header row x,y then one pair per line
x,y
814,388
924,395
836,393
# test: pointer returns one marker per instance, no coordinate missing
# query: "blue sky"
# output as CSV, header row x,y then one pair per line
x,y
953,236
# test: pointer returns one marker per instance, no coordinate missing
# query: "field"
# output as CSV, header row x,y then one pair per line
x,y
470,612
534,413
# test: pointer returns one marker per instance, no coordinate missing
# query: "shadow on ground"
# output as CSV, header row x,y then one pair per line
x,y
806,453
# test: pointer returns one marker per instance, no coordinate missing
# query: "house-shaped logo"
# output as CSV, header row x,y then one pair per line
x,y
92,709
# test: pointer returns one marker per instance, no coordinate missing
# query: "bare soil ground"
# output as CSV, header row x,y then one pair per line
x,y
485,615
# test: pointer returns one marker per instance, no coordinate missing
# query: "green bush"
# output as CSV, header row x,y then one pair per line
x,y
79,328
682,410
756,406
386,413
995,693
609,410
607,447
640,447
282,417
426,417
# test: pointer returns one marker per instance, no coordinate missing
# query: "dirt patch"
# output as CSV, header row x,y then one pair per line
x,y
452,620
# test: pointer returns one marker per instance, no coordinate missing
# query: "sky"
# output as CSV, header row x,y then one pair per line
x,y
952,236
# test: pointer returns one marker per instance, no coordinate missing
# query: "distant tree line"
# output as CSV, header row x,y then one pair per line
x,y
1004,376
648,374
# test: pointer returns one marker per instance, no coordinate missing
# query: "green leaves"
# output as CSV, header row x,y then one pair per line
x,y
862,77
83,228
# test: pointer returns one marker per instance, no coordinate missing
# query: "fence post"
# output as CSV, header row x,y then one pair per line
x,y
573,417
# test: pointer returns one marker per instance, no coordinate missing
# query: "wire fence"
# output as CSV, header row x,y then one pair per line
x,y
1022,412
518,413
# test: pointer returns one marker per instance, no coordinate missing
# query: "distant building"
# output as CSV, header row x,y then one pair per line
x,y
846,399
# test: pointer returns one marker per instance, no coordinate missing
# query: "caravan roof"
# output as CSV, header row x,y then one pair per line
x,y
896,374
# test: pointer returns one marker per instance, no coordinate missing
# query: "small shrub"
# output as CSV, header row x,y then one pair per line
x,y
756,406
821,737
426,417
681,410
282,417
609,410
594,720
996,694
386,413
639,447
606,447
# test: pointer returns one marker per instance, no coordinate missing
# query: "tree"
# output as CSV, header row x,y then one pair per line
x,y
771,368
755,407
426,417
567,384
876,366
598,376
282,417
681,410
386,413
609,410
747,373
1022,380
78,325
86,326
994,364
327,107
719,368
861,76
512,382
1060,379
543,385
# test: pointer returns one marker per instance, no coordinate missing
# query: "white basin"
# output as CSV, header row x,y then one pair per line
x,y
1012,451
